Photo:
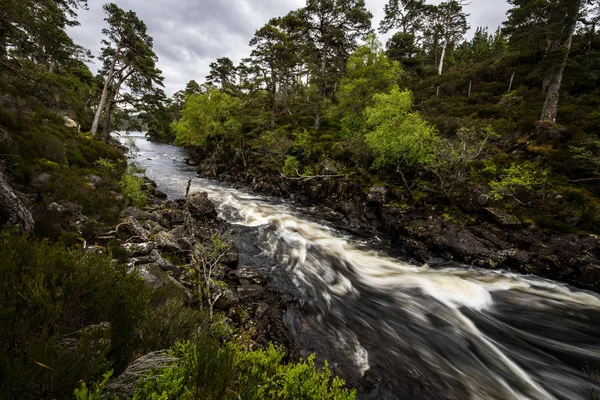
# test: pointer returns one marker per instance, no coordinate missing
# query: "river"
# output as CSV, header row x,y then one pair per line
x,y
415,332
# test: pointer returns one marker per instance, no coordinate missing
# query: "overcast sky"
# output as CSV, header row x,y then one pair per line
x,y
190,34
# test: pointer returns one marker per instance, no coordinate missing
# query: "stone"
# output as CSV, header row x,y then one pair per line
x,y
378,194
124,385
139,249
131,229
246,274
200,207
249,291
69,123
227,300
502,218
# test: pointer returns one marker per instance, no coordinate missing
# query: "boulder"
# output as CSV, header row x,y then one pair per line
x,y
502,218
200,207
131,229
124,385
378,194
139,249
249,291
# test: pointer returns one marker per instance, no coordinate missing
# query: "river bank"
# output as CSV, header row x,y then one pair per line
x,y
487,237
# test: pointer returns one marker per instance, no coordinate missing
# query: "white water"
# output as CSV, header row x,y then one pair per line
x,y
458,333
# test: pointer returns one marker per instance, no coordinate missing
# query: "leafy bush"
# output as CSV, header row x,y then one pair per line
x,y
132,188
49,293
398,136
291,166
527,176
209,371
69,316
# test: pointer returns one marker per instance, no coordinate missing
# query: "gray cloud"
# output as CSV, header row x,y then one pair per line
x,y
190,34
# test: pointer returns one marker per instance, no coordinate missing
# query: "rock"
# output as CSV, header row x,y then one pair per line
x,y
227,300
139,249
191,162
153,276
160,195
502,218
164,242
132,230
249,291
69,123
153,257
200,207
245,274
124,385
377,194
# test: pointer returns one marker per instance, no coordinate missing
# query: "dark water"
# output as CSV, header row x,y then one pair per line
x,y
416,332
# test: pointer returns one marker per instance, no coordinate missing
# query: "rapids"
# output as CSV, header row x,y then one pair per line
x,y
397,329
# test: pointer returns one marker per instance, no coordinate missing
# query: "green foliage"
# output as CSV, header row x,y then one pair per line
x,y
399,136
525,177
52,337
208,370
207,116
132,188
60,292
368,71
94,392
291,166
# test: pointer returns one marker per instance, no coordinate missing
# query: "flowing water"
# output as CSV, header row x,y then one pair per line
x,y
413,331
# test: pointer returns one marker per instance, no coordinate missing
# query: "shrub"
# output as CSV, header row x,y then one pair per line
x,y
527,176
291,166
209,371
132,188
48,294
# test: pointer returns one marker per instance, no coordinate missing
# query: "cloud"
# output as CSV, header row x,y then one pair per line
x,y
190,34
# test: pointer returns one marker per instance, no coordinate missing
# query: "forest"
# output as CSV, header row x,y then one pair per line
x,y
504,119
444,120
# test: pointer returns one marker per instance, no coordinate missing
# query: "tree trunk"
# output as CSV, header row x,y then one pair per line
x,y
321,88
560,50
107,114
107,84
441,65
13,208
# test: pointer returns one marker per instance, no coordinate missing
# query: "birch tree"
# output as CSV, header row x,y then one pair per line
x,y
449,21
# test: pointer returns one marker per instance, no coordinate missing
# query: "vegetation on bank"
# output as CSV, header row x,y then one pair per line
x,y
436,118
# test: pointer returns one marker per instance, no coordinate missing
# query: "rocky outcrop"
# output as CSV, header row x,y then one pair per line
x,y
13,208
491,239
159,241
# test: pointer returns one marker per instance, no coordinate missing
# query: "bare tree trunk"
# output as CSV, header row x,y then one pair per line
x,y
441,65
560,50
13,208
321,88
107,114
107,84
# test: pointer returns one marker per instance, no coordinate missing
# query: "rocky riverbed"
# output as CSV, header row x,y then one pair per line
x,y
160,240
490,239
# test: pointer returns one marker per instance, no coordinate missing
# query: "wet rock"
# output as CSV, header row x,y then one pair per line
x,y
200,207
160,195
246,274
249,291
502,218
